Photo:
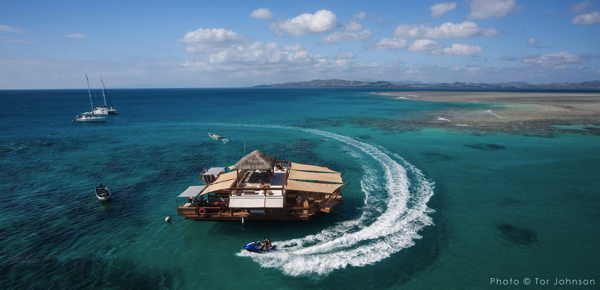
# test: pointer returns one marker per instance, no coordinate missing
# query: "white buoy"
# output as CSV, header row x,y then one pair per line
x,y
242,220
168,219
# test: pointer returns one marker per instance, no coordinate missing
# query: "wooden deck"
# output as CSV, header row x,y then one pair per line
x,y
331,205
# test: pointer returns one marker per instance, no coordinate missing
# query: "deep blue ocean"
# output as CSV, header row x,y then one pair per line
x,y
427,207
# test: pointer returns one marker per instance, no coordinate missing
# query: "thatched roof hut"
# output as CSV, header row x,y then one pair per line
x,y
256,160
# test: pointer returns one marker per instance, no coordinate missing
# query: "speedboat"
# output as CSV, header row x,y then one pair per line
x,y
255,247
102,192
215,136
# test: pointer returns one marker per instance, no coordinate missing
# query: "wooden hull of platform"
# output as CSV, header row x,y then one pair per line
x,y
252,217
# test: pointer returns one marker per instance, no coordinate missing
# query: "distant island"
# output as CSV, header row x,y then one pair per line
x,y
337,83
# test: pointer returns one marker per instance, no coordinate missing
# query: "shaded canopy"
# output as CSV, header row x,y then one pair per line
x,y
327,177
226,177
304,167
311,186
192,191
219,186
256,161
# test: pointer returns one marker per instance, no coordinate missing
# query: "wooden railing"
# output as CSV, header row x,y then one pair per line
x,y
334,195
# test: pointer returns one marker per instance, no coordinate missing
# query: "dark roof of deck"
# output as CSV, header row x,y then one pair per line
x,y
256,161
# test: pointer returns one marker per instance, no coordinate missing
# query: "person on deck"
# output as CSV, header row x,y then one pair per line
x,y
262,185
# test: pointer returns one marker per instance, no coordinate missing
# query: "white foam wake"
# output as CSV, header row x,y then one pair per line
x,y
377,234
497,116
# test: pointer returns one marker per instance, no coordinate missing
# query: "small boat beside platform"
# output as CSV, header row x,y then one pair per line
x,y
215,136
261,188
103,193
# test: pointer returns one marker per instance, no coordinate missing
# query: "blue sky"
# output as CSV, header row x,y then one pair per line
x,y
161,44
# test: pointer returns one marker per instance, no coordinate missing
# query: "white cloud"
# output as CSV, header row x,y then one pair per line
x,y
348,55
320,22
211,35
391,44
440,9
11,40
353,31
583,7
296,47
554,59
359,15
262,13
206,40
8,28
12,29
253,62
319,56
424,45
258,62
588,18
531,42
353,26
428,45
459,49
412,71
508,58
258,53
481,9
75,35
474,68
224,51
338,36
446,30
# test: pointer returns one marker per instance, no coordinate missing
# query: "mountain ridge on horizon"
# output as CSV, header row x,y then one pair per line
x,y
338,83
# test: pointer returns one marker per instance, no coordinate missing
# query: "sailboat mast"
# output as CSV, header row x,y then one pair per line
x,y
103,88
89,92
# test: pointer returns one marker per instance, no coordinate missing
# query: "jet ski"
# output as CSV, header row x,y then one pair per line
x,y
255,247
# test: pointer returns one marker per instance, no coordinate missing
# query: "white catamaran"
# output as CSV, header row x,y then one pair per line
x,y
90,116
105,110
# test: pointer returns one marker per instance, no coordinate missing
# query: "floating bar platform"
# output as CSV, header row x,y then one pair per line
x,y
261,188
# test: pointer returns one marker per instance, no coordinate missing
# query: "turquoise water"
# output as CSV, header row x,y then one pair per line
x,y
426,207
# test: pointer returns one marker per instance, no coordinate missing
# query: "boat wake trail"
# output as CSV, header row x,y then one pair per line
x,y
396,196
